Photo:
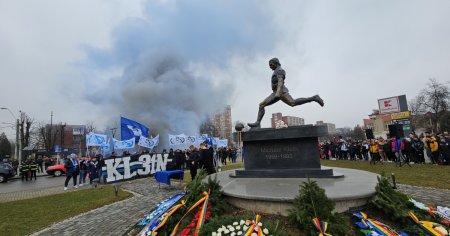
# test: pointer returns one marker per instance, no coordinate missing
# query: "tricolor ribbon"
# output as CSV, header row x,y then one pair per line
x,y
321,227
201,219
171,211
202,200
254,226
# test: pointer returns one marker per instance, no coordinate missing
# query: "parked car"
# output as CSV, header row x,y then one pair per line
x,y
6,171
56,170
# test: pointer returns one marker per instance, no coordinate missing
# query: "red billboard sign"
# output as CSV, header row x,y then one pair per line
x,y
389,105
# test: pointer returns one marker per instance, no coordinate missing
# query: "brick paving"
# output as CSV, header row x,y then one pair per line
x,y
427,195
119,217
27,194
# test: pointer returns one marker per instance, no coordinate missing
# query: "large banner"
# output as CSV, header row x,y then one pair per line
x,y
149,142
182,139
132,129
124,144
122,168
93,139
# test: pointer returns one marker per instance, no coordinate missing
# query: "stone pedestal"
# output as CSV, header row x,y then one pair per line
x,y
283,153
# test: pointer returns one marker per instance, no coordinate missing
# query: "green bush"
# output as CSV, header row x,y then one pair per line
x,y
312,202
395,206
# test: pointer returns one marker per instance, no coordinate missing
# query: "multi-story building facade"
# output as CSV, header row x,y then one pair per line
x,y
288,120
223,126
66,138
330,126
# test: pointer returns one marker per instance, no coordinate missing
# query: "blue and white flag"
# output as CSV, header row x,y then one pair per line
x,y
191,139
105,147
93,139
124,144
179,139
149,142
202,138
222,143
132,129
210,141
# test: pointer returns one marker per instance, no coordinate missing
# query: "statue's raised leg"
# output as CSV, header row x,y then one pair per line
x,y
316,98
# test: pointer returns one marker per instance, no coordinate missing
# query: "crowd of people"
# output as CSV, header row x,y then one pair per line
x,y
80,169
194,158
203,157
411,149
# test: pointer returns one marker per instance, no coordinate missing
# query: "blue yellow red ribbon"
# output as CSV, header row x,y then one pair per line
x,y
321,227
202,200
254,226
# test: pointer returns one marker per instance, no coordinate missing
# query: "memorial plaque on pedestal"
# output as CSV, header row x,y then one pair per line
x,y
291,152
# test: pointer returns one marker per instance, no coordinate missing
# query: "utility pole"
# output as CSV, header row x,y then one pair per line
x,y
50,131
17,148
20,140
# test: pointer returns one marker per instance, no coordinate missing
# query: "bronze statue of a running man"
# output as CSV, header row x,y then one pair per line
x,y
280,92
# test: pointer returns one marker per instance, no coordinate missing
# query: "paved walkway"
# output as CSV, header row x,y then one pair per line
x,y
427,195
119,217
27,194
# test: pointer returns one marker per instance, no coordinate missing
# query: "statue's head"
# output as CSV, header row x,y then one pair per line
x,y
274,63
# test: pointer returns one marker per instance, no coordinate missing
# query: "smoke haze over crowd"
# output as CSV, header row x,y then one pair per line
x,y
168,63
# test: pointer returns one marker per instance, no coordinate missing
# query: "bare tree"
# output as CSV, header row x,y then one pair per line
x,y
417,113
208,127
25,123
434,98
90,127
358,133
49,134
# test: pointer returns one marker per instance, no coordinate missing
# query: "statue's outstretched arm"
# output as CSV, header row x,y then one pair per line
x,y
279,86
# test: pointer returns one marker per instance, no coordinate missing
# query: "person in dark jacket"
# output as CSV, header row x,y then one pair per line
x,y
179,159
33,169
206,155
93,169
83,171
72,170
194,157
417,146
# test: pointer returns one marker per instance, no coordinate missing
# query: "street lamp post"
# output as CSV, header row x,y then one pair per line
x,y
239,127
17,149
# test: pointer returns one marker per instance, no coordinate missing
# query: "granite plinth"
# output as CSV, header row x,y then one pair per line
x,y
283,153
276,195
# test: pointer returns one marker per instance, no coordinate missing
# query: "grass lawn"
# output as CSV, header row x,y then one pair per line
x,y
187,175
27,216
425,175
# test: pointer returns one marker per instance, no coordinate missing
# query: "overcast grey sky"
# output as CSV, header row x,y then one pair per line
x,y
80,59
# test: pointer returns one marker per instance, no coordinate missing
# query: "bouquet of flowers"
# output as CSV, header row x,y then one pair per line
x,y
244,227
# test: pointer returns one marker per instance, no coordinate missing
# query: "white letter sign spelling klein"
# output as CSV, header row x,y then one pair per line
x,y
121,168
